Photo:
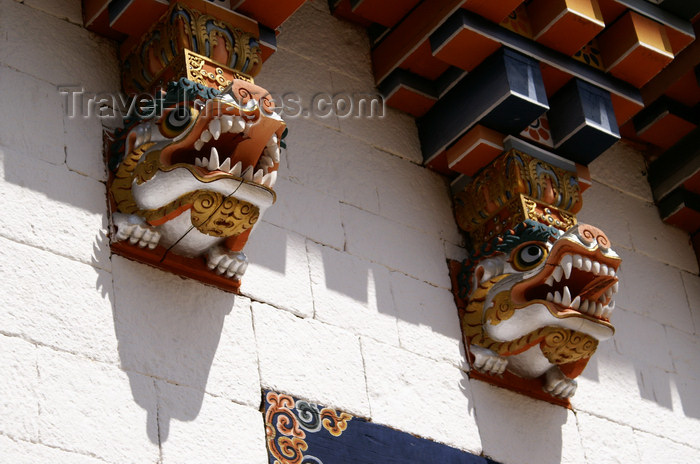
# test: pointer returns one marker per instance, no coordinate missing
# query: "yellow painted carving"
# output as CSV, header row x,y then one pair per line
x,y
501,310
219,216
162,48
559,345
514,174
562,346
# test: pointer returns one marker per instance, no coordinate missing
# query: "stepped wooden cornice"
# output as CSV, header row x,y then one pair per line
x,y
564,77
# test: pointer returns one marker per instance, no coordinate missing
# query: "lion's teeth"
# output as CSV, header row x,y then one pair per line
x,y
566,264
616,287
198,145
215,128
549,281
226,165
273,152
236,169
576,303
266,162
550,297
584,306
578,261
248,174
238,125
609,293
557,297
214,160
603,269
558,272
596,267
566,297
198,162
598,309
266,180
611,272
257,177
587,264
206,136
226,123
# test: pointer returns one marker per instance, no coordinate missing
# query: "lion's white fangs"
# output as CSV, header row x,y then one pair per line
x,y
260,174
605,304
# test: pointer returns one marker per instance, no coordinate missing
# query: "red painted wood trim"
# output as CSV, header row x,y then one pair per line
x,y
194,268
409,34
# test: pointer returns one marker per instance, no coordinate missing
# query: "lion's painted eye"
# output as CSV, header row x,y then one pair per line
x,y
176,121
529,256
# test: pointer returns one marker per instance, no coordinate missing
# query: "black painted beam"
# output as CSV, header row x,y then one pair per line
x,y
675,166
504,93
582,121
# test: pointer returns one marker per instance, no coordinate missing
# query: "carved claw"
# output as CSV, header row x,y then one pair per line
x,y
133,228
231,263
487,361
559,385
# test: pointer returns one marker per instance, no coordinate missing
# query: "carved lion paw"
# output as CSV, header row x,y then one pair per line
x,y
133,228
559,385
231,263
488,361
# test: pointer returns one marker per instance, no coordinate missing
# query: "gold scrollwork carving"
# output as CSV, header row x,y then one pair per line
x,y
501,310
197,72
562,346
219,216
182,28
511,175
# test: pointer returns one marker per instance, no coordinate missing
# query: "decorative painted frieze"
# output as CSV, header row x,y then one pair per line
x,y
299,431
536,294
514,188
194,167
189,43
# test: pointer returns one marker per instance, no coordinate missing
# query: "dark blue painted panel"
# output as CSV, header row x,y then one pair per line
x,y
686,9
305,433
116,7
582,121
505,93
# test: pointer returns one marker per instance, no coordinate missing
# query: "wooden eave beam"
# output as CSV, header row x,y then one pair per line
x,y
410,34
551,57
683,62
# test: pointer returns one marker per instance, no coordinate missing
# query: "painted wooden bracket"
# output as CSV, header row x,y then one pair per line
x,y
565,25
635,48
193,171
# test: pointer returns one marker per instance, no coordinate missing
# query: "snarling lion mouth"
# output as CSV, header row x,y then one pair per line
x,y
575,281
230,140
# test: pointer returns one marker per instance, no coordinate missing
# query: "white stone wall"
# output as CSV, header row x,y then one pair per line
x,y
346,302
